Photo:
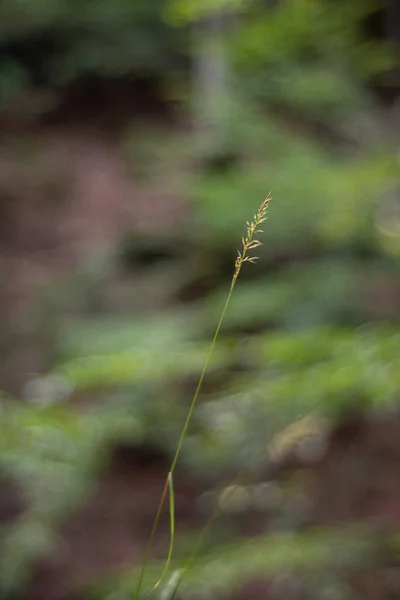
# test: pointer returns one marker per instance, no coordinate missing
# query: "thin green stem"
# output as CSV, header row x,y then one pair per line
x,y
151,540
248,244
199,541
196,394
172,528
180,443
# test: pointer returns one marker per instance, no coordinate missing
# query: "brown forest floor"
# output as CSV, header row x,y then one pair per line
x,y
356,482
40,242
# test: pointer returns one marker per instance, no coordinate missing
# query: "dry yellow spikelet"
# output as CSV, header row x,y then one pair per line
x,y
248,241
285,442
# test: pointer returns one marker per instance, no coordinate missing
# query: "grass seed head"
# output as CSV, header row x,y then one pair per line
x,y
248,241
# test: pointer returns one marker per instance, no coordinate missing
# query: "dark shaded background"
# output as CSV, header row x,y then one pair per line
x,y
136,138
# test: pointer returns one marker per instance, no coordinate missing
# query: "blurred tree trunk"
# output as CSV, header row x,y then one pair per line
x,y
211,79
393,22
391,28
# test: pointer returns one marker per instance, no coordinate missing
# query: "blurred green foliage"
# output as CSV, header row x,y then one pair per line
x,y
322,371
314,70
58,42
305,561
312,329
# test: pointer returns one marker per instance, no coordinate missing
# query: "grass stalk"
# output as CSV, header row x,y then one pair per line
x,y
200,538
172,528
249,243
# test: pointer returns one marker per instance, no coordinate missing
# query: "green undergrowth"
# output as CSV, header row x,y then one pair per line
x,y
56,450
313,558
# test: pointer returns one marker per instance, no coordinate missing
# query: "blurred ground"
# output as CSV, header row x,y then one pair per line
x,y
92,201
136,139
355,482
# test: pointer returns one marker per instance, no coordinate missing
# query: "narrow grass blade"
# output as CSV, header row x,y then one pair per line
x,y
172,528
248,243
200,539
